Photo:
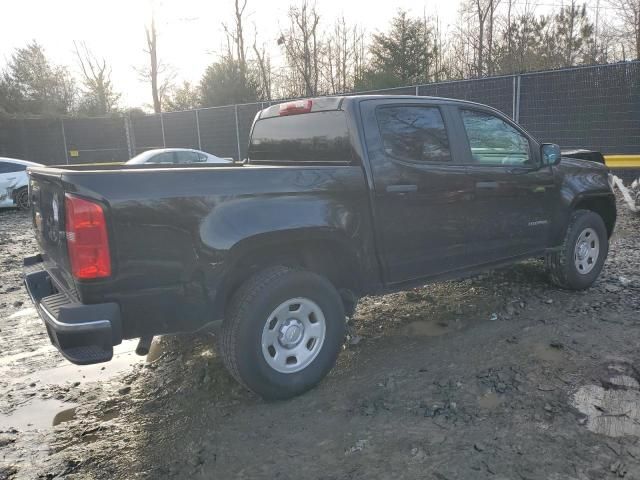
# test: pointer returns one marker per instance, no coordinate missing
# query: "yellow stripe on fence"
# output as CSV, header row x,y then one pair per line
x,y
622,161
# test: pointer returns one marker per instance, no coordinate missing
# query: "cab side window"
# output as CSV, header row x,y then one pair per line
x,y
493,141
414,133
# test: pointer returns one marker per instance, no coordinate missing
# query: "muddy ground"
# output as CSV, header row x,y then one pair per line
x,y
500,376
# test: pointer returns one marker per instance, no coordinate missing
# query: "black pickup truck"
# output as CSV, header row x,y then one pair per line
x,y
340,197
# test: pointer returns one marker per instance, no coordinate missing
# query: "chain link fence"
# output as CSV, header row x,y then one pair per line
x,y
596,107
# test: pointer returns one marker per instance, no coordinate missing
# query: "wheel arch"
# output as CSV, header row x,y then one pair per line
x,y
325,251
604,205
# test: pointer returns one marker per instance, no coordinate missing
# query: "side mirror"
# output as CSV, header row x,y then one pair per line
x,y
551,154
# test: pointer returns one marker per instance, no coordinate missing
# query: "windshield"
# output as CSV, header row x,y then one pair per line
x,y
142,157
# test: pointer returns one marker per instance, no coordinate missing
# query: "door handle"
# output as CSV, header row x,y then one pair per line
x,y
402,188
487,185
517,170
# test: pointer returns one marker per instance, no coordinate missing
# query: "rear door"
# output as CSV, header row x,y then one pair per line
x,y
421,187
513,194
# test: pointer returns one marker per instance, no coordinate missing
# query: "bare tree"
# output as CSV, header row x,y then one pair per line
x,y
343,57
99,96
158,74
152,45
628,14
235,39
264,68
302,46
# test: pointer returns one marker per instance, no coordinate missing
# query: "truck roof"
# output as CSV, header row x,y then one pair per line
x,y
321,104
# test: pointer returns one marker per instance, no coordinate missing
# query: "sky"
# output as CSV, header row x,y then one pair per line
x,y
190,31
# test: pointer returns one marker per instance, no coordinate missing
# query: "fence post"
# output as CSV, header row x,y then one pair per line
x,y
164,142
517,100
513,101
198,129
131,148
64,141
417,91
238,134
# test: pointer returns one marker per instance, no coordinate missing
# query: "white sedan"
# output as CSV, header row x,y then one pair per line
x,y
14,182
176,155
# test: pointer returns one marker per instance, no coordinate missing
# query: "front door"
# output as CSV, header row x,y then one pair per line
x,y
513,193
421,187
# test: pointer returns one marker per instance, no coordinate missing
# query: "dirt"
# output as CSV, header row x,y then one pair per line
x,y
500,376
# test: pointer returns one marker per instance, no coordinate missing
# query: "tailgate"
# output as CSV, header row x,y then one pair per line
x,y
47,197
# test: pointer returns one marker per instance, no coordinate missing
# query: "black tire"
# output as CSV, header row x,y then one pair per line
x,y
21,198
240,339
562,262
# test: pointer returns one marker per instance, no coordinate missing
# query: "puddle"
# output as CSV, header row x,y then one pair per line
x,y
58,371
38,414
124,357
489,401
24,313
425,329
64,416
547,353
613,412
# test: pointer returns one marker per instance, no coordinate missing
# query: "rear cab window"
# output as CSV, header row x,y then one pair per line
x,y
306,138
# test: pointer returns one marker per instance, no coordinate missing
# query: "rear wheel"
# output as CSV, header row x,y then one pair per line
x,y
576,264
22,199
283,331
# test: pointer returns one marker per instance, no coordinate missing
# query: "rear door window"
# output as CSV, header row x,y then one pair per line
x,y
165,157
414,133
318,137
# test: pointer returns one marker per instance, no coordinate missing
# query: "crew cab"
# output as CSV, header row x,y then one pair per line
x,y
340,197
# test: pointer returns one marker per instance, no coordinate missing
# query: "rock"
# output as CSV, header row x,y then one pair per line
x,y
510,309
355,340
6,440
548,408
624,281
17,303
7,472
493,317
357,447
612,288
548,301
124,390
478,447
75,384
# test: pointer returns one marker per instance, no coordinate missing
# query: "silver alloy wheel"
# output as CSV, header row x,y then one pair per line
x,y
22,199
586,251
293,335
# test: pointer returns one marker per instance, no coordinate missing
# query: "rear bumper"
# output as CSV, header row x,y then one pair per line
x,y
84,334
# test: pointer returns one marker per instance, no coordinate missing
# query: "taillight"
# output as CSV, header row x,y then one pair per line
x,y
294,108
87,239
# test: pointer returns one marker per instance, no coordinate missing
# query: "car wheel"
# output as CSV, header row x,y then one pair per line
x,y
21,199
576,264
283,331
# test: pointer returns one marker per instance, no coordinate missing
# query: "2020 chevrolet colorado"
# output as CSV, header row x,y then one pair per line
x,y
340,197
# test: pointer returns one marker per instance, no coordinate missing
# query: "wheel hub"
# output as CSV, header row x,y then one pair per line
x,y
583,250
293,335
291,332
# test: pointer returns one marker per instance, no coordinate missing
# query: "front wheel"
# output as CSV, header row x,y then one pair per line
x,y
282,332
21,199
576,264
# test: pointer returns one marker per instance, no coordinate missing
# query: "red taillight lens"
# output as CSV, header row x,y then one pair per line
x,y
294,108
87,239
